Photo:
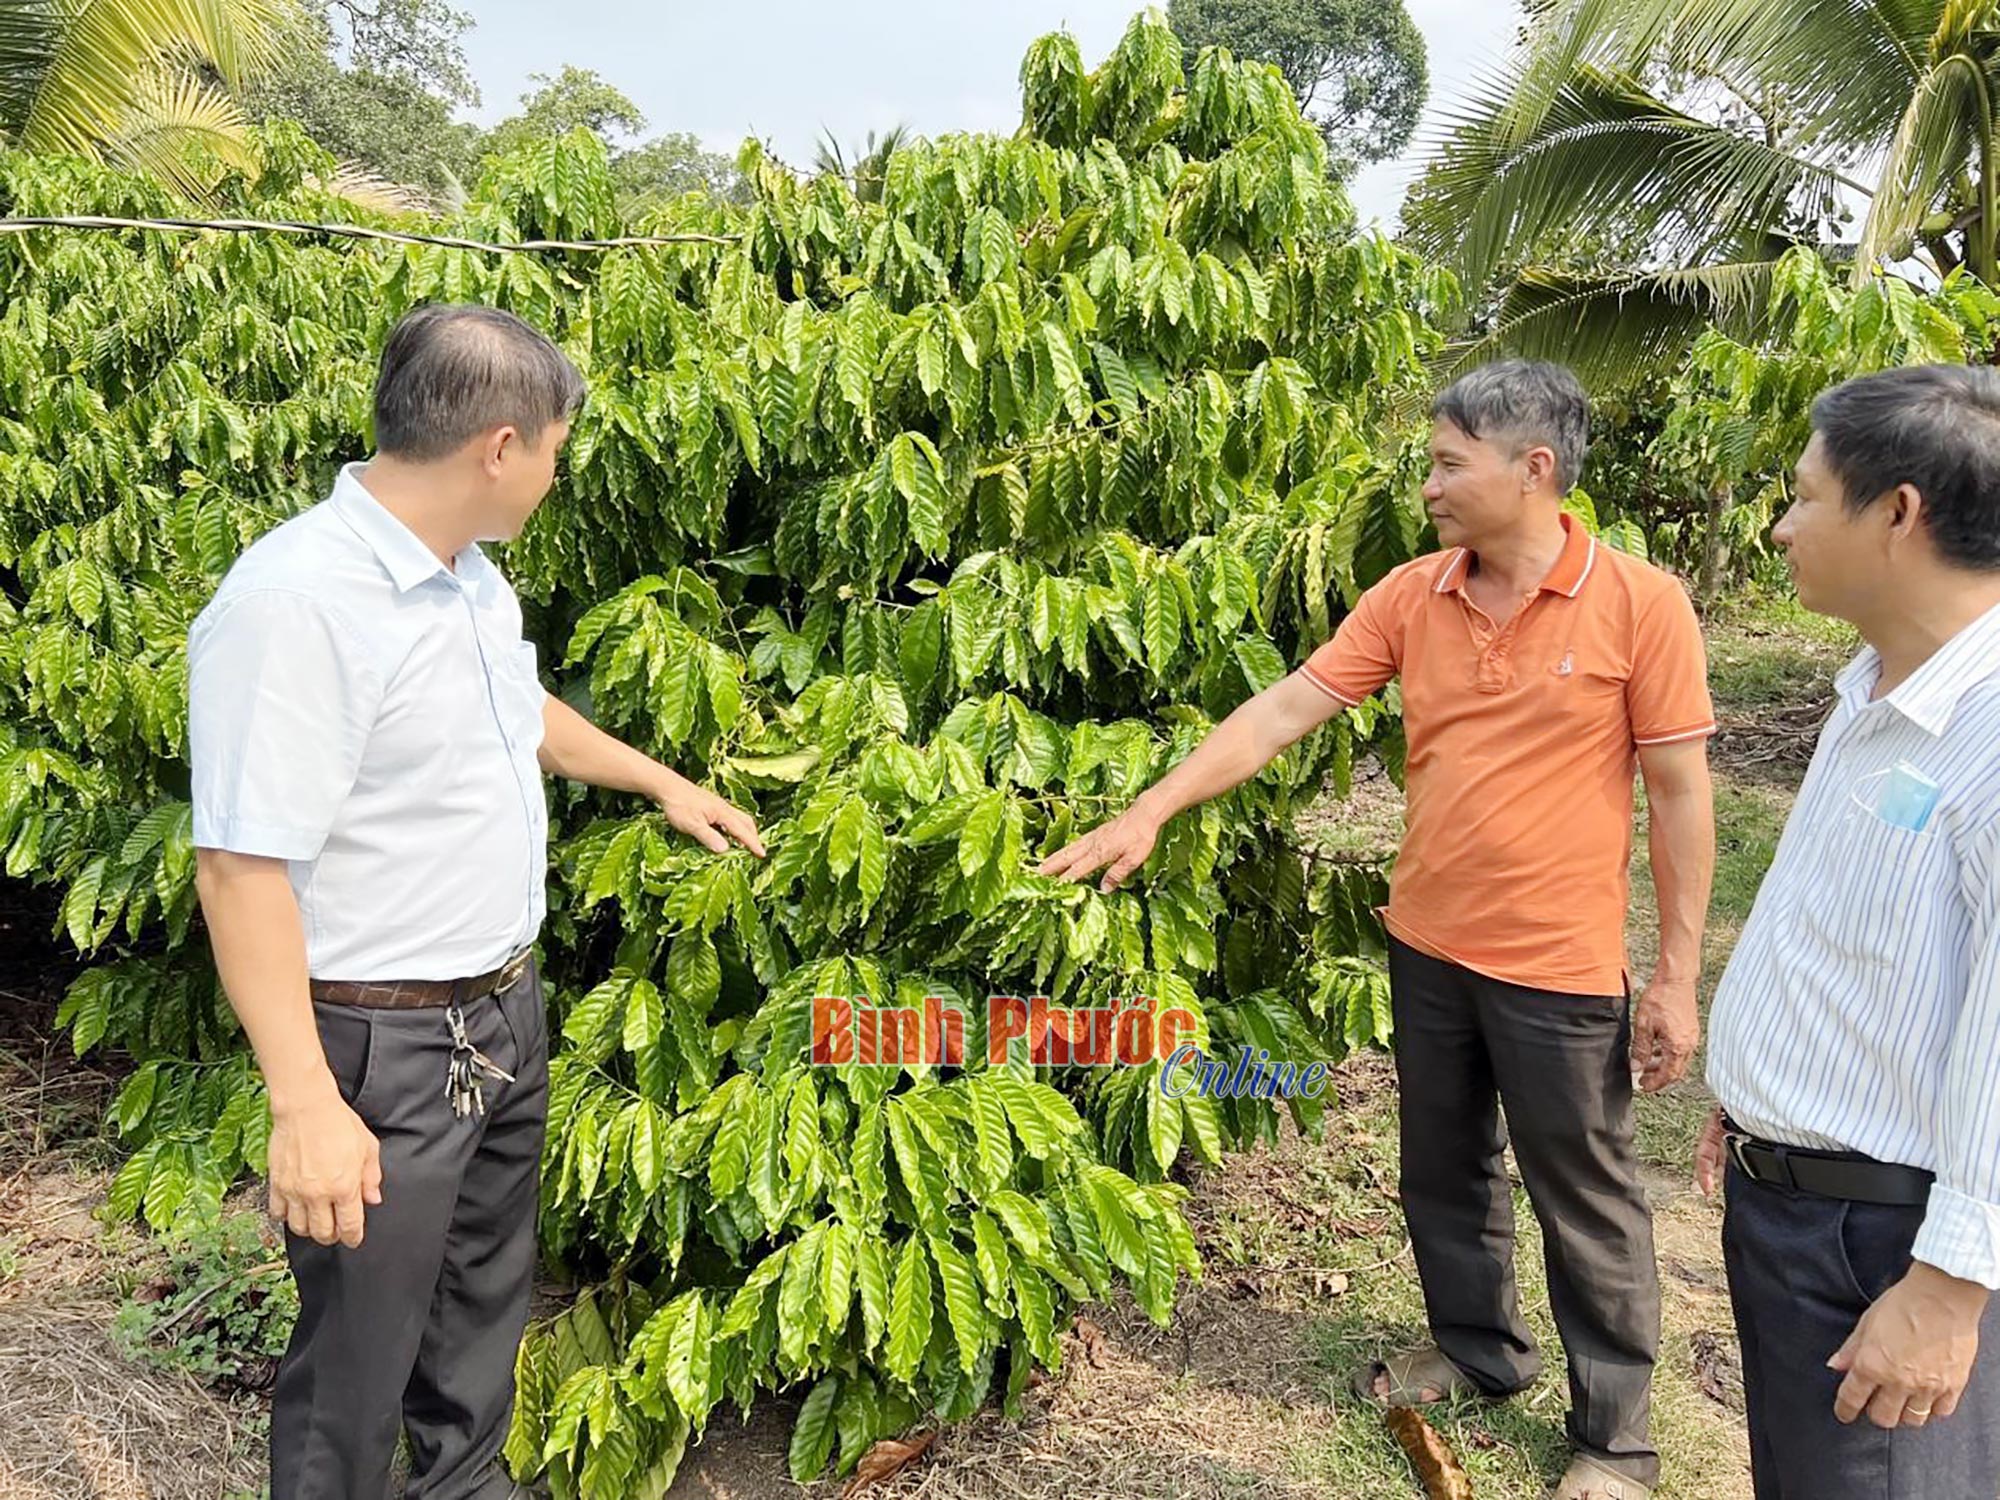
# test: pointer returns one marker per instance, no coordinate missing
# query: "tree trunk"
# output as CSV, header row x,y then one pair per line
x,y
1710,582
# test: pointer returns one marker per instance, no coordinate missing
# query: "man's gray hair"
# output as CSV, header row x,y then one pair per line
x,y
1529,403
450,372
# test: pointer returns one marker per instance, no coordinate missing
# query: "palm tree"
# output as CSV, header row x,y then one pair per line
x,y
1697,141
134,82
871,160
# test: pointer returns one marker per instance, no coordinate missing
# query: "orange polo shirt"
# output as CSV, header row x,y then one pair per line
x,y
1523,742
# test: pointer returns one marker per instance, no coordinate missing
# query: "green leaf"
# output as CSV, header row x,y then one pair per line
x,y
694,972
979,834
644,1016
1054,339
1036,1307
1026,1220
921,1172
990,1255
1118,382
799,1317
802,1140
874,859
689,1359
909,1311
961,1301
1163,1122
1123,1240
843,843
812,1436
836,1269
871,1284
1163,622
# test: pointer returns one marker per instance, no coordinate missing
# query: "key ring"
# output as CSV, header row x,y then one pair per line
x,y
462,1083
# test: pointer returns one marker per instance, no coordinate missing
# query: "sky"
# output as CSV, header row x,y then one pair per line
x,y
785,70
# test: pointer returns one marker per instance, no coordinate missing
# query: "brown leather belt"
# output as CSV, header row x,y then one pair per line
x,y
418,994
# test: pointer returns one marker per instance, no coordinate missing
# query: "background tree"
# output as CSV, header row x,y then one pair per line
x,y
673,163
1358,67
132,81
1738,410
870,158
378,86
1703,139
643,173
574,99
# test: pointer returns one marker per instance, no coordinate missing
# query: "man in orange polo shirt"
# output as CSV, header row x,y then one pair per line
x,y
1539,670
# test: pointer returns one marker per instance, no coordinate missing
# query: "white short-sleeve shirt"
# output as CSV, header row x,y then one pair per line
x,y
373,717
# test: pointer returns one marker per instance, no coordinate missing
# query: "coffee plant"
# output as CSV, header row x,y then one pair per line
x,y
932,528
1725,430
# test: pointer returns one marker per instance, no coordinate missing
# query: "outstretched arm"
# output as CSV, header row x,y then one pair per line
x,y
574,747
1235,750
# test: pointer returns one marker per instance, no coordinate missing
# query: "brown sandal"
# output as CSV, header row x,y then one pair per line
x,y
1410,1376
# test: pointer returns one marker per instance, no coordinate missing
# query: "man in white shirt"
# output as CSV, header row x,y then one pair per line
x,y
368,734
1855,1039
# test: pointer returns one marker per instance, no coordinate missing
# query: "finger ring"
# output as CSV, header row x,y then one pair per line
x,y
1920,1411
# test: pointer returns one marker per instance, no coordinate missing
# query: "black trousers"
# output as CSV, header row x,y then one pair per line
x,y
1468,1047
1802,1271
417,1328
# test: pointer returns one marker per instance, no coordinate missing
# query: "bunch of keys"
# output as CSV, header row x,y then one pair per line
x,y
463,1084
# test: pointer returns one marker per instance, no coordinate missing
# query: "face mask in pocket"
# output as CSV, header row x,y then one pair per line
x,y
1902,796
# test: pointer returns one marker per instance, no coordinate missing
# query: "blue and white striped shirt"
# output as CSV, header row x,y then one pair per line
x,y
1861,1010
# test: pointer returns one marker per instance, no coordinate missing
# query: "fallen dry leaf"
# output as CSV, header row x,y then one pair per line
x,y
1093,1342
1329,1283
1716,1371
887,1459
1437,1466
1359,1228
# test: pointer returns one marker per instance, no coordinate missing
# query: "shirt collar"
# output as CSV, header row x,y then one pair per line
x,y
1929,696
408,561
1573,566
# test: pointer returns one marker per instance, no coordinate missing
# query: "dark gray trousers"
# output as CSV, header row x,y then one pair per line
x,y
417,1328
1467,1047
1802,1271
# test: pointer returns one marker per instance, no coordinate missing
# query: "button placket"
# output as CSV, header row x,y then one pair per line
x,y
487,667
1496,652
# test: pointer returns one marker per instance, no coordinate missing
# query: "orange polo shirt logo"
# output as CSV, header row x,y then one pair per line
x,y
1523,742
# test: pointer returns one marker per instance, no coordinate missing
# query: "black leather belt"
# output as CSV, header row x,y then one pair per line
x,y
1828,1174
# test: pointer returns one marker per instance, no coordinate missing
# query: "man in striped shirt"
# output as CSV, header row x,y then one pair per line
x,y
1855,1039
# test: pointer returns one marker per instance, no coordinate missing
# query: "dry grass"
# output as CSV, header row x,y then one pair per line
x,y
78,1421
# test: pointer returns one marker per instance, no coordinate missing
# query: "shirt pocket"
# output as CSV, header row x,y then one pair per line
x,y
1859,904
519,691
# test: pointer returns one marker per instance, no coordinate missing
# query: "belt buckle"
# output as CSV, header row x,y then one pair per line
x,y
512,970
1780,1175
1734,1142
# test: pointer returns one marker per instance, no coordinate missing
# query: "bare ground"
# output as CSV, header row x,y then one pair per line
x,y
78,1420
